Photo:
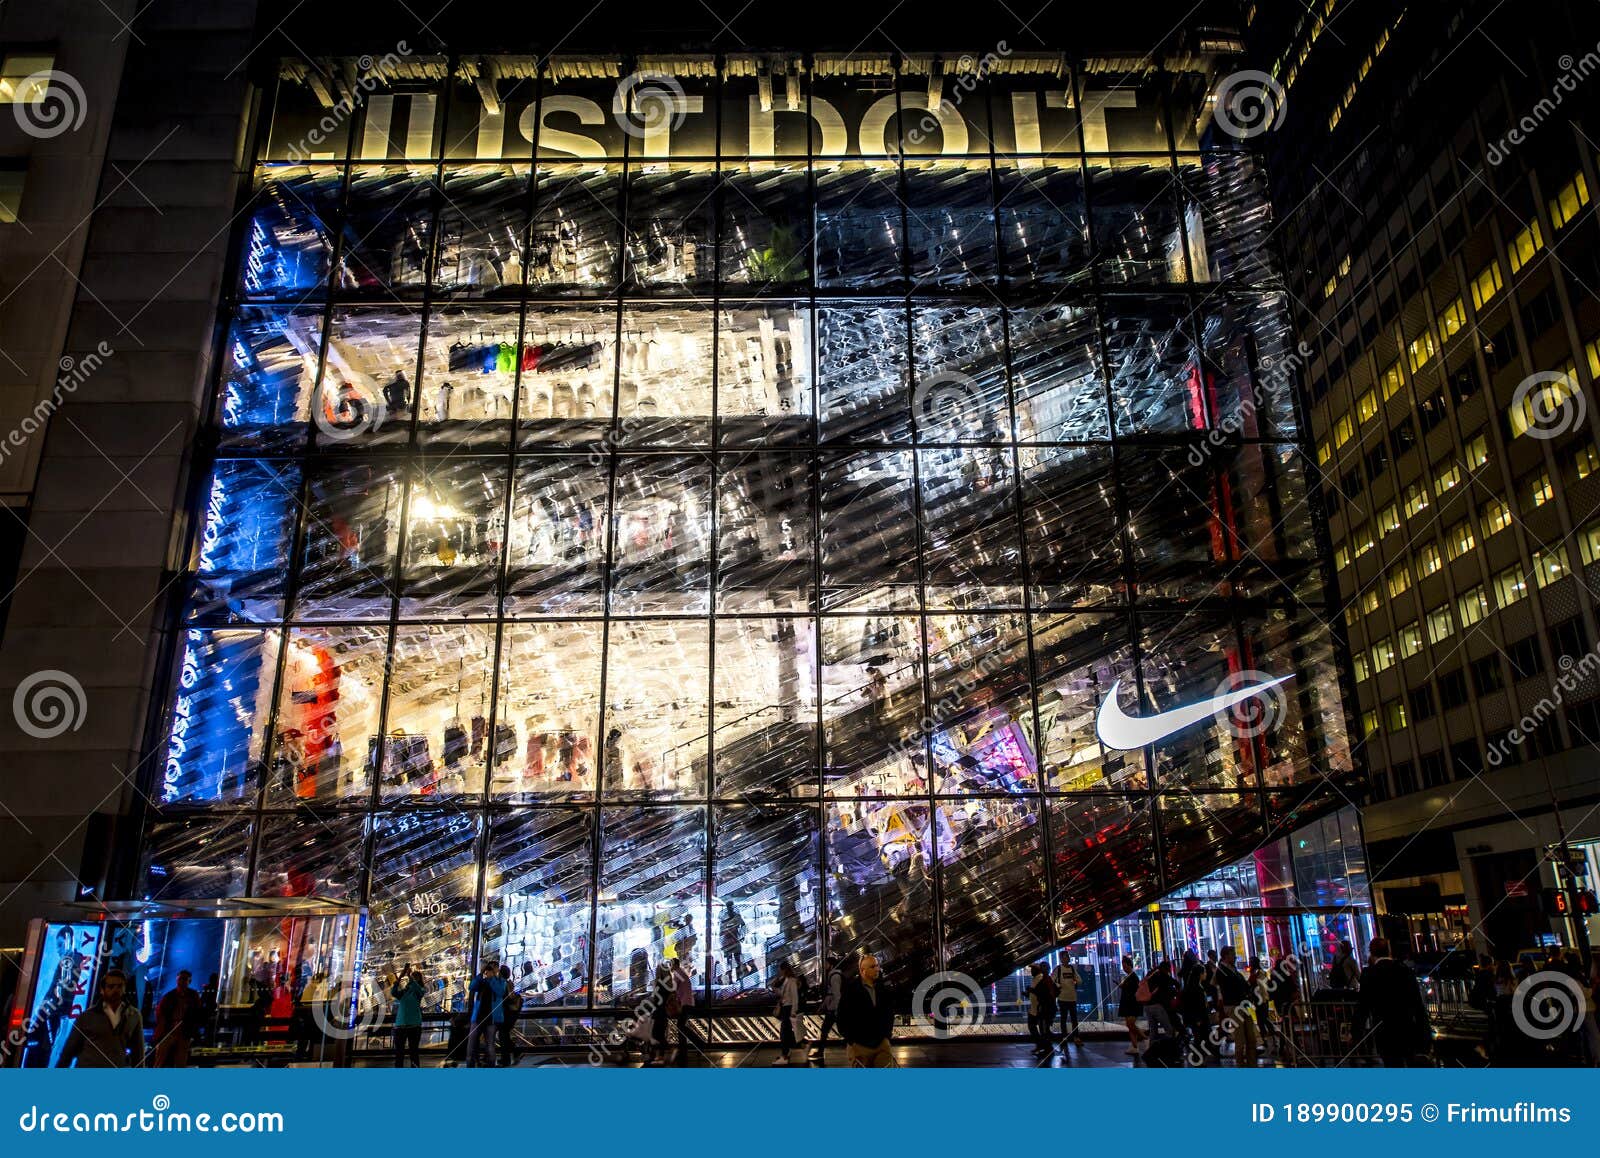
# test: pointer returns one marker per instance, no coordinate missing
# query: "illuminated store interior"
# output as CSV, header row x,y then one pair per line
x,y
700,514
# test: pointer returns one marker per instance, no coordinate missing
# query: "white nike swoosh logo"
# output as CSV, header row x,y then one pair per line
x,y
1123,732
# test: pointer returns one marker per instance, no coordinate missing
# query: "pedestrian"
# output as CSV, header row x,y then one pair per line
x,y
662,995
732,945
1194,1004
407,991
1391,1004
1344,973
788,988
1160,1002
1235,1001
832,991
511,1008
1067,979
866,1017
1130,1005
1283,988
1591,1018
486,1009
1041,1008
177,1018
108,1035
682,1002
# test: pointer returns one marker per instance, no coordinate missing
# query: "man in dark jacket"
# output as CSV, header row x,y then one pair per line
x,y
866,1017
177,1020
108,1035
1391,1002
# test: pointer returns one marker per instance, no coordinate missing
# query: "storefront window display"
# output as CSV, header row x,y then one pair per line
x,y
715,539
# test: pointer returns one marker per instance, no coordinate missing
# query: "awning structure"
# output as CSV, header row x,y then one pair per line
x,y
222,907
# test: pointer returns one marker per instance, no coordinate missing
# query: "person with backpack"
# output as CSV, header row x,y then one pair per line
x,y
510,1008
1236,1003
832,992
1130,1005
1159,992
1066,980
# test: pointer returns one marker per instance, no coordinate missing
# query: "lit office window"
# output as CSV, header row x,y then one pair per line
x,y
12,179
1391,380
1363,540
1452,319
1370,601
1324,453
1440,625
1510,586
1416,499
1476,452
1410,640
1496,517
1343,429
22,77
1367,405
1399,580
1589,543
1472,606
1537,491
1549,565
1369,723
1585,460
1363,670
1395,711
1421,351
1428,560
1486,284
1524,245
1382,655
1566,205
1547,403
1458,540
1388,519
1446,476
1341,556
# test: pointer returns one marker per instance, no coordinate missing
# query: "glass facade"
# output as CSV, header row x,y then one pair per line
x,y
707,526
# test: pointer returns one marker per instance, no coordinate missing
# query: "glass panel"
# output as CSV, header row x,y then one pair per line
x,y
880,894
764,375
971,550
327,723
310,854
1044,232
1156,381
536,903
244,541
861,374
197,858
455,532
558,538
764,530
483,230
219,716
438,715
872,714
656,710
1079,657
1228,219
662,534
548,716
268,377
1134,221
672,227
288,248
869,532
950,224
1105,860
469,375
1188,659
766,708
352,527
982,706
577,119
1175,523
573,247
365,396
995,908
652,896
1059,385
766,225
664,390
1274,533
1298,728
859,228
1201,830
765,900
1070,522
388,229
569,372
424,891
960,393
